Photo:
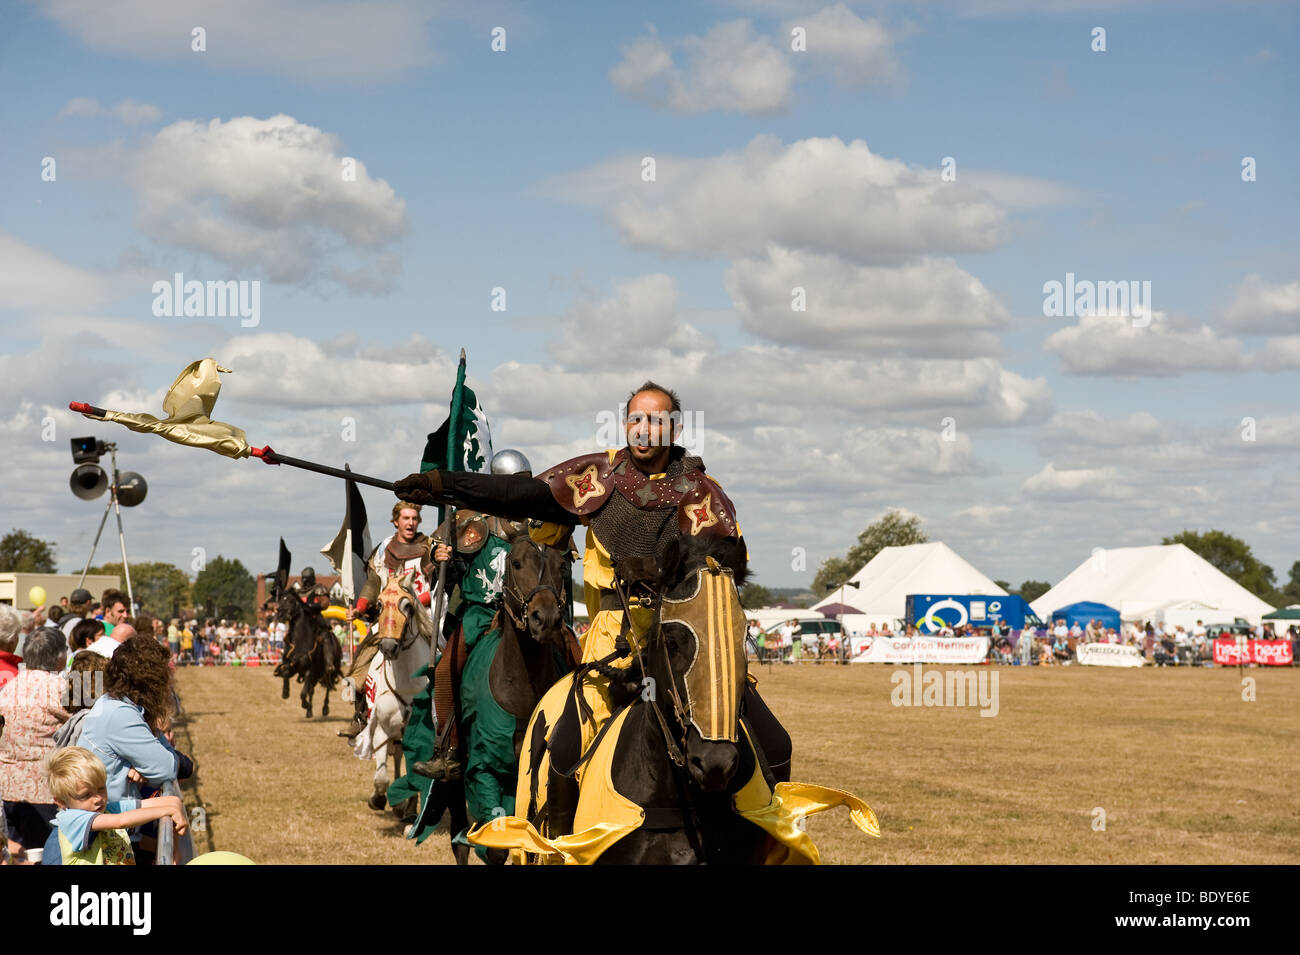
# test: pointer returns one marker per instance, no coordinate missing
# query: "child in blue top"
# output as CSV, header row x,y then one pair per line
x,y
92,830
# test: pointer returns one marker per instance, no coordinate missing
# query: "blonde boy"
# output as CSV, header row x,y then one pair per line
x,y
92,830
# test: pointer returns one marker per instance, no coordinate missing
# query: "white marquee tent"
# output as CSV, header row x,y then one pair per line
x,y
1169,583
887,579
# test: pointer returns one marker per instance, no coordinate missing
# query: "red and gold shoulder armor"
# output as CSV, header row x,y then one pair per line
x,y
582,484
705,509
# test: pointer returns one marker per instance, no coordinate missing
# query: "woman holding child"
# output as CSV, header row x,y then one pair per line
x,y
126,726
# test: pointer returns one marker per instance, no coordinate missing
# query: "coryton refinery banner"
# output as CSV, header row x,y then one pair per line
x,y
1108,655
1229,653
918,649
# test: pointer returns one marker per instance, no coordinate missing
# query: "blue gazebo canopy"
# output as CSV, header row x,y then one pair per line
x,y
1082,612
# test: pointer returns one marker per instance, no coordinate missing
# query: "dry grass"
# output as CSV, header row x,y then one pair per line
x,y
282,789
1185,770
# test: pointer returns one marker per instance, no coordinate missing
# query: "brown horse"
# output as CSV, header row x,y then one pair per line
x,y
537,647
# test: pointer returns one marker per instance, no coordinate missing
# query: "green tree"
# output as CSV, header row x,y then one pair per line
x,y
753,596
1290,594
1032,589
1005,586
227,587
1232,556
892,530
20,552
157,586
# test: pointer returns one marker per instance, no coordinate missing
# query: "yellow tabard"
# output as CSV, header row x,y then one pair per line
x,y
599,640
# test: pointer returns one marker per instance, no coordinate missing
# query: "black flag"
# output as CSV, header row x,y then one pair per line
x,y
282,572
348,550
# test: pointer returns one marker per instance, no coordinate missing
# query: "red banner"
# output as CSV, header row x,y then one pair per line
x,y
1230,653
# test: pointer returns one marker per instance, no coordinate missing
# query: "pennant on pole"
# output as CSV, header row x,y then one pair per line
x,y
464,441
282,571
188,403
347,552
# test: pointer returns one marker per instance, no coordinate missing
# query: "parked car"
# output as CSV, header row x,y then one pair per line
x,y
1230,630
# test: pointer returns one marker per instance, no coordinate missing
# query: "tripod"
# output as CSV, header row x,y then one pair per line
x,y
112,505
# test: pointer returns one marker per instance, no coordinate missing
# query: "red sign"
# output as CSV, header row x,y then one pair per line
x,y
1230,653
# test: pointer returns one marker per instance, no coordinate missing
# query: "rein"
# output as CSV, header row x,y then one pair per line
x,y
541,587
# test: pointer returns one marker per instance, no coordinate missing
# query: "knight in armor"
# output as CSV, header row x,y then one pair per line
x,y
477,568
312,594
634,502
404,550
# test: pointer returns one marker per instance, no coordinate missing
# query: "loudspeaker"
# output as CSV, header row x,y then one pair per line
x,y
88,481
131,488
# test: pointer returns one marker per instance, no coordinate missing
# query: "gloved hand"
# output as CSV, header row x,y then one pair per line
x,y
419,488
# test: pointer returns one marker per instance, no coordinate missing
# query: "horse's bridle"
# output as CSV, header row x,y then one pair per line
x,y
541,587
408,626
676,748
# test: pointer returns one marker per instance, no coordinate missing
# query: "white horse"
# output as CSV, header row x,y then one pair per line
x,y
404,632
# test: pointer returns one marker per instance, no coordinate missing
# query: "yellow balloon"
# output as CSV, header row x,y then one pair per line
x,y
335,612
37,596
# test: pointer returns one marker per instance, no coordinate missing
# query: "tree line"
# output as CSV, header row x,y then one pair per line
x,y
1230,554
222,588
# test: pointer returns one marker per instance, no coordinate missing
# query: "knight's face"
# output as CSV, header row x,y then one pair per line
x,y
650,427
408,524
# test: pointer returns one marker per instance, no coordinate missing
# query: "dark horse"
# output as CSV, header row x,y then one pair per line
x,y
527,649
683,749
311,653
537,647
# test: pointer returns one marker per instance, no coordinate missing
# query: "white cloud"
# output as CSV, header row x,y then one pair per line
x,y
765,385
80,107
730,67
1260,307
339,40
1110,344
266,197
856,51
927,307
643,310
821,195
1091,429
133,113
284,370
35,280
985,515
1075,483
1017,192
127,111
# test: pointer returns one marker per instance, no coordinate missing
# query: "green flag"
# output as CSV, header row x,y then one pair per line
x,y
464,441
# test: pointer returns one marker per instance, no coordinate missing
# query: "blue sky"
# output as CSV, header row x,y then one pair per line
x,y
521,169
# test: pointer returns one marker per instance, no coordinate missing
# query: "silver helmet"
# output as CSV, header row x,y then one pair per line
x,y
510,461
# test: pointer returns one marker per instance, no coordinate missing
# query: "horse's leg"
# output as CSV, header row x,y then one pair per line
x,y
379,798
285,694
458,820
325,707
308,687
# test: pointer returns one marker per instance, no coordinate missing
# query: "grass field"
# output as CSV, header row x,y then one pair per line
x,y
1184,769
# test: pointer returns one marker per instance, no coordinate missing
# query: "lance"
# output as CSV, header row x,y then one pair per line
x,y
267,454
270,456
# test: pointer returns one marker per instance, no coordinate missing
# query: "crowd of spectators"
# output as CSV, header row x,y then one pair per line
x,y
86,744
1163,644
791,642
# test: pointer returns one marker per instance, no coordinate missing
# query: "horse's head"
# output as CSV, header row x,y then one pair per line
x,y
534,588
401,618
698,651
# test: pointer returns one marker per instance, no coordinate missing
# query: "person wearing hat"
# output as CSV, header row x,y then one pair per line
x,y
78,610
